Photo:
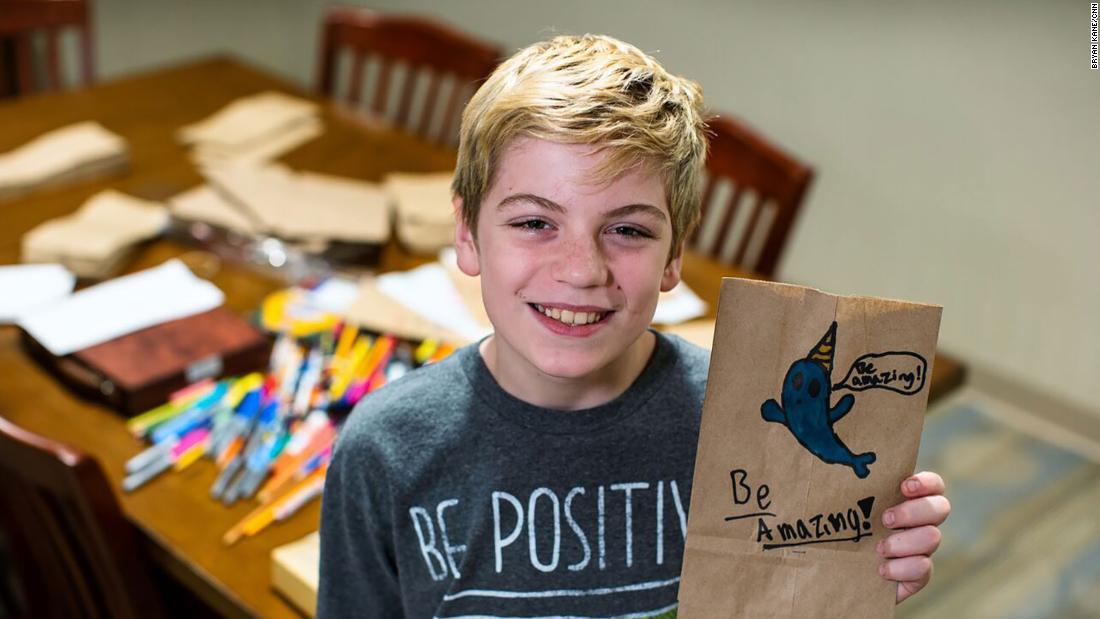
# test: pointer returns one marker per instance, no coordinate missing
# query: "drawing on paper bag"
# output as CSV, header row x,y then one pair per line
x,y
805,409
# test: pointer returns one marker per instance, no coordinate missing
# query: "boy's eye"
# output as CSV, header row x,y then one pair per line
x,y
530,224
630,231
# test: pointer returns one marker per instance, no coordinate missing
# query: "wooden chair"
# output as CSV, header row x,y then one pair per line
x,y
761,174
21,21
76,555
420,49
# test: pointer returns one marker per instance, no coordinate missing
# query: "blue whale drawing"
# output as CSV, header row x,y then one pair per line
x,y
806,412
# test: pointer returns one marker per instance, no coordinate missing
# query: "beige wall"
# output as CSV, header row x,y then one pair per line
x,y
956,143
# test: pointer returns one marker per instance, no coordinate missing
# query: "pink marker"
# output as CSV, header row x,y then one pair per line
x,y
356,391
190,439
194,389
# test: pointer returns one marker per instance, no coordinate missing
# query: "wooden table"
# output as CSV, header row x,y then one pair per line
x,y
181,524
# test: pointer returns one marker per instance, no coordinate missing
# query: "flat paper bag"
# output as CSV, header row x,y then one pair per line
x,y
811,421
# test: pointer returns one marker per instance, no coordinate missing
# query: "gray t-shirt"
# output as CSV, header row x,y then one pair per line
x,y
449,497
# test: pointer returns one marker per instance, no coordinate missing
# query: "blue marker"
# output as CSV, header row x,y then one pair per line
x,y
199,413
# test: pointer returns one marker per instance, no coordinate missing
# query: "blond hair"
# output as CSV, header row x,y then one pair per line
x,y
596,90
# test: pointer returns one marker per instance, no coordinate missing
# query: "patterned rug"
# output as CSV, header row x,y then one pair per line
x,y
1023,539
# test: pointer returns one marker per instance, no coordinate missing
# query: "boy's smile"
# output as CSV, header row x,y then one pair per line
x,y
571,269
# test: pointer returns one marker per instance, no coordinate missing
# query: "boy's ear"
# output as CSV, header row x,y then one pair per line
x,y
465,244
671,276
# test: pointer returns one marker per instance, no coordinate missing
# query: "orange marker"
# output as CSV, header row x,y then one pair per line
x,y
285,473
231,450
259,518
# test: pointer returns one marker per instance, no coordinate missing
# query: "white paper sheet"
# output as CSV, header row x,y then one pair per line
x,y
335,294
428,291
120,306
25,288
679,305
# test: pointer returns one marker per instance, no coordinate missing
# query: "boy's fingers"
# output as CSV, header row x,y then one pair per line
x,y
925,483
919,541
907,589
907,569
917,512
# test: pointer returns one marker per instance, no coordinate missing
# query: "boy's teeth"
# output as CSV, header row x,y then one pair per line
x,y
570,317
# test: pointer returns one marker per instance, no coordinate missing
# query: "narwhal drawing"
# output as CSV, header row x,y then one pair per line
x,y
806,411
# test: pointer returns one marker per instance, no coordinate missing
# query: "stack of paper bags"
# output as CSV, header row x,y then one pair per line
x,y
94,240
254,129
424,211
301,206
72,153
204,204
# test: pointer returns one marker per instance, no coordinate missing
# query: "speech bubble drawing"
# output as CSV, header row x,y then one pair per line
x,y
901,372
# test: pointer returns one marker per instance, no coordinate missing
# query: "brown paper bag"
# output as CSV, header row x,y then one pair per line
x,y
812,419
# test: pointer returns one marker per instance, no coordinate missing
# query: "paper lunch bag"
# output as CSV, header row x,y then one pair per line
x,y
812,418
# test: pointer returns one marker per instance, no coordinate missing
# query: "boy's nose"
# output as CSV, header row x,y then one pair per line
x,y
581,264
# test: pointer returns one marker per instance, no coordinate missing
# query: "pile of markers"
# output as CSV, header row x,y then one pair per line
x,y
271,436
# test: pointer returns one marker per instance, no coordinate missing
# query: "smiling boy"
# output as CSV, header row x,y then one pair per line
x,y
545,471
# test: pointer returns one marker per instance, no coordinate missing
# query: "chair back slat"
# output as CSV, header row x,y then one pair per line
x,y
22,19
382,87
704,207
355,78
427,111
778,181
423,49
452,112
728,218
53,60
24,60
751,232
77,554
408,89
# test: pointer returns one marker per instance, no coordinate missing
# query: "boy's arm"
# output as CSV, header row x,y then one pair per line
x,y
358,574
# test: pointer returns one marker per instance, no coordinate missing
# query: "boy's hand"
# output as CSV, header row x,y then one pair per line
x,y
909,551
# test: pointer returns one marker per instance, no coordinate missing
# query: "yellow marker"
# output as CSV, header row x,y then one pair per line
x,y
378,352
442,353
144,422
240,388
425,351
273,310
190,456
343,345
151,416
346,373
259,523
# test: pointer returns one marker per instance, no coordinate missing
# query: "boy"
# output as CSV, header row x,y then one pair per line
x,y
546,470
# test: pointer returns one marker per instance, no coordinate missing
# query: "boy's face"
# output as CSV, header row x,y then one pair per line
x,y
551,241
